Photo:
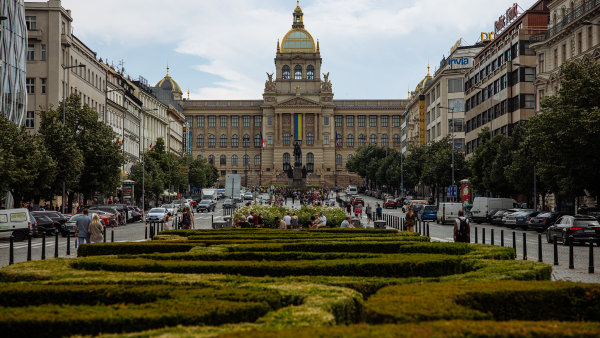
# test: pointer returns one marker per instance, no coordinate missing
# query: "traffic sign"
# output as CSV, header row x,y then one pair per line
x,y
452,191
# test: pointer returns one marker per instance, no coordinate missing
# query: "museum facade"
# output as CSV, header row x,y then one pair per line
x,y
256,138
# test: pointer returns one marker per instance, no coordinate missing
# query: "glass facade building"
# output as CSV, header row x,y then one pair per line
x,y
13,44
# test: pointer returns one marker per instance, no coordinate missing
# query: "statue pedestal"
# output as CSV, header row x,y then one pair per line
x,y
298,181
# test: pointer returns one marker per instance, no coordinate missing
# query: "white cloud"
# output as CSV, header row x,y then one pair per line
x,y
236,39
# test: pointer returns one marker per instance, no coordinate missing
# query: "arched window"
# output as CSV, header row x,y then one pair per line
x,y
257,160
223,141
234,160
338,159
257,141
350,140
396,140
286,139
200,141
285,72
235,141
246,160
310,72
349,157
298,72
223,160
246,141
286,161
373,139
212,141
310,162
310,139
362,140
211,159
384,140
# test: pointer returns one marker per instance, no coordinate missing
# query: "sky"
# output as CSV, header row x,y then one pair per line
x,y
222,49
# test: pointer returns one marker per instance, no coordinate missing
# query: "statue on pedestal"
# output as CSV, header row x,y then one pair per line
x,y
297,155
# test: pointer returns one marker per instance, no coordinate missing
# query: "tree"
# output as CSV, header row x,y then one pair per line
x,y
153,179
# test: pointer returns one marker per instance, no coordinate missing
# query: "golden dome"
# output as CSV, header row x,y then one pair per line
x,y
298,39
425,82
168,83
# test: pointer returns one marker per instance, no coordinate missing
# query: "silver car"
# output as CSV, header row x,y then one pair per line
x,y
170,208
156,214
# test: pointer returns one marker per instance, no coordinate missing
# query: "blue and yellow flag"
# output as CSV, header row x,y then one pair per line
x,y
298,127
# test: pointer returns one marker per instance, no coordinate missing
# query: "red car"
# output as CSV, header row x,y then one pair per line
x,y
358,201
390,204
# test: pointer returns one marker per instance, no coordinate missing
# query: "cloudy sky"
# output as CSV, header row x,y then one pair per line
x,y
221,49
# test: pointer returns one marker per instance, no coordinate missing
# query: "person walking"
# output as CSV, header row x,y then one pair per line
x,y
379,211
410,220
368,212
462,228
186,218
96,230
168,220
294,221
82,227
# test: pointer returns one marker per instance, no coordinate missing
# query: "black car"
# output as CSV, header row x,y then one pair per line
x,y
136,216
590,211
543,220
496,218
490,214
208,205
44,224
578,228
229,204
56,216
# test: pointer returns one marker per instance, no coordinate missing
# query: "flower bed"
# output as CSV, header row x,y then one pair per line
x,y
334,215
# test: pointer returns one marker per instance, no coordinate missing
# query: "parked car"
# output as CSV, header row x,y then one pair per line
x,y
229,204
389,204
135,213
543,220
206,205
505,216
44,224
578,228
511,219
110,219
16,222
483,205
448,212
491,214
247,197
238,199
156,214
524,217
496,218
590,211
358,200
118,216
170,208
428,213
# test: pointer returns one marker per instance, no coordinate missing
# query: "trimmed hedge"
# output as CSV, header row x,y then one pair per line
x,y
504,300
252,256
133,248
426,265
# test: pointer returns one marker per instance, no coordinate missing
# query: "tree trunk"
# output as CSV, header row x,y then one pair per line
x,y
70,202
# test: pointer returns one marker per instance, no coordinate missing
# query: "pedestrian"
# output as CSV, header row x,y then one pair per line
x,y
462,228
287,219
280,223
186,218
348,208
379,211
410,220
168,220
368,212
82,227
347,223
358,211
96,230
294,221
261,220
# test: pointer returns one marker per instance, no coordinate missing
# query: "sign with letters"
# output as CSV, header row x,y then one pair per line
x,y
459,62
488,36
507,18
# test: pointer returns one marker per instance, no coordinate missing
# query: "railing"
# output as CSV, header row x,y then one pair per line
x,y
568,19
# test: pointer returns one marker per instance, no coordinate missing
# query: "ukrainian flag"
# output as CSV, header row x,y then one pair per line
x,y
298,127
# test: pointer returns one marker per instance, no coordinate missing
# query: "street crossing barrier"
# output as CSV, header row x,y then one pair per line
x,y
104,234
427,229
146,232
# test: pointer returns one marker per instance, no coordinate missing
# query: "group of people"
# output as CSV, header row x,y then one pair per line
x,y
462,226
88,229
251,221
368,210
291,222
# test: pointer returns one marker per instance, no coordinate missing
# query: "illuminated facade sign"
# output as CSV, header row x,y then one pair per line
x,y
507,18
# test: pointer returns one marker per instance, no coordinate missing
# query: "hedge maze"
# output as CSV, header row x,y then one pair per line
x,y
293,283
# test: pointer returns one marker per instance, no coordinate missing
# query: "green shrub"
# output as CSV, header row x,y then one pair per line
x,y
98,249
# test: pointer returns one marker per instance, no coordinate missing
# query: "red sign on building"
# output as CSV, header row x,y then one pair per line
x,y
507,18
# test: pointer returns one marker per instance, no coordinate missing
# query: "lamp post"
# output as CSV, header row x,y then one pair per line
x,y
144,158
452,138
64,189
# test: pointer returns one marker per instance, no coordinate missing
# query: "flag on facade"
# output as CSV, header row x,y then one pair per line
x,y
337,142
262,141
150,145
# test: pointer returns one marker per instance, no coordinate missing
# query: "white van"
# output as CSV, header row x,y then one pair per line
x,y
351,190
483,205
16,222
448,212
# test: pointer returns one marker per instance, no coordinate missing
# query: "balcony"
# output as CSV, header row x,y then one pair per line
x,y
573,16
34,34
65,40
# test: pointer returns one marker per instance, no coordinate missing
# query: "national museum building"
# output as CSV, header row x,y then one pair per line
x,y
256,138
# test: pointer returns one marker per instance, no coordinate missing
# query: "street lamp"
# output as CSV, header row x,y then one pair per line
x,y
169,145
452,137
64,189
144,158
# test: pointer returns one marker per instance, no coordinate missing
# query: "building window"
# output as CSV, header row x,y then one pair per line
x,y
257,160
527,101
338,121
234,160
200,141
200,122
456,106
349,157
246,141
326,140
384,121
270,121
325,120
257,141
44,53
246,159
30,84
212,121
286,139
362,140
30,120
396,140
235,121
310,162
373,139
223,160
44,82
235,141
529,74
384,140
211,159
455,86
310,139
258,121
372,121
298,72
350,140
270,140
246,121
349,121
310,72
285,72
31,22
223,141
30,52
223,121
212,141
396,121
541,63
338,159
362,120
286,162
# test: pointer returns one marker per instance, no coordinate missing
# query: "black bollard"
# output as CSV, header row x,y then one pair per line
x,y
104,235
43,245
524,246
151,231
555,251
571,265
591,263
112,235
515,243
56,245
68,243
28,248
146,232
427,229
501,237
11,253
476,235
540,248
491,236
482,235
